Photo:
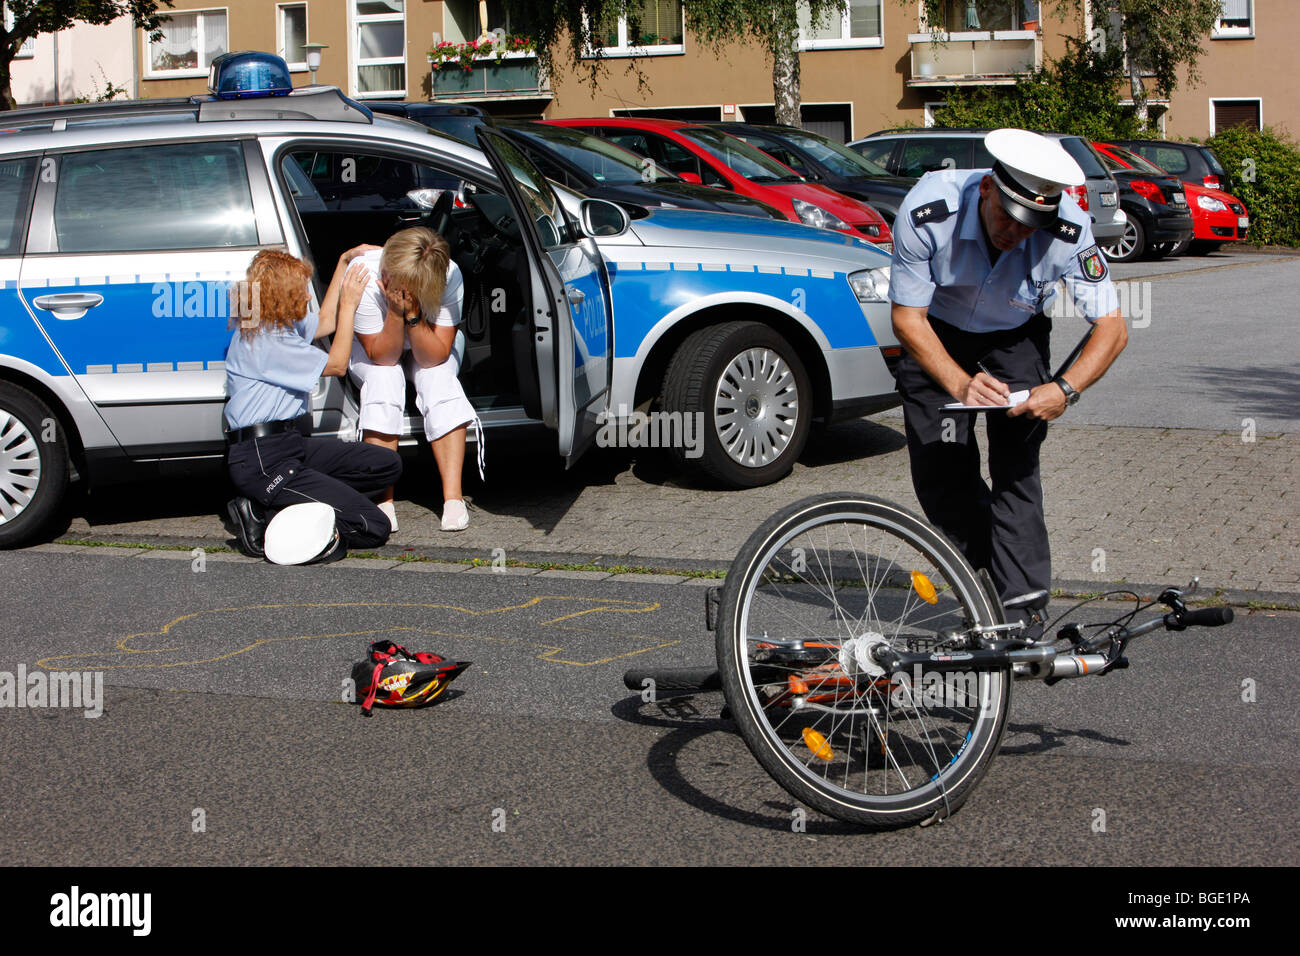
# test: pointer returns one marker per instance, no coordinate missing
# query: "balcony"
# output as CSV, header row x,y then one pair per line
x,y
514,76
974,59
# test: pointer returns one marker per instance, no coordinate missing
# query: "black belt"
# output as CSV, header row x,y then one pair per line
x,y
302,424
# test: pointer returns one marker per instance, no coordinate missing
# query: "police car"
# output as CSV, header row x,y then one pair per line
x,y
124,225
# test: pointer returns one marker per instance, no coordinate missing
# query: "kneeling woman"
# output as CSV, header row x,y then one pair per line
x,y
271,369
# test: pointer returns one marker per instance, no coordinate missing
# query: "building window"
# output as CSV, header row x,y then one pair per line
x,y
381,47
1225,114
984,16
1236,20
460,20
291,34
859,24
658,30
28,49
189,44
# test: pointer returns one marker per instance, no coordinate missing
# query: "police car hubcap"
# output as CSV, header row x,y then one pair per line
x,y
20,467
756,407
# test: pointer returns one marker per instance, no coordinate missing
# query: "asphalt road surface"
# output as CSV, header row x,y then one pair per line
x,y
224,740
1210,344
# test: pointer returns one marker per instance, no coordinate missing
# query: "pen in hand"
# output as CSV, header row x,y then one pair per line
x,y
1006,390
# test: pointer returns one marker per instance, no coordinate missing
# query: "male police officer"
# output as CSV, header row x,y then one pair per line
x,y
977,255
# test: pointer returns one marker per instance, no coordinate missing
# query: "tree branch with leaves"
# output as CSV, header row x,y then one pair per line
x,y
772,25
31,18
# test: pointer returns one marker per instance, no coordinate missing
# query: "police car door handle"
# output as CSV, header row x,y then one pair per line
x,y
577,296
68,305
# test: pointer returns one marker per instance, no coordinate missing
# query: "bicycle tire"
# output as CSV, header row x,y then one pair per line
x,y
928,764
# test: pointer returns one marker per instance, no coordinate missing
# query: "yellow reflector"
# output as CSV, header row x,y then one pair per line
x,y
818,745
924,588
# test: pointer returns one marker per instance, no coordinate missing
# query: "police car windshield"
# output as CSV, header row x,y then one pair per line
x,y
754,165
600,159
838,159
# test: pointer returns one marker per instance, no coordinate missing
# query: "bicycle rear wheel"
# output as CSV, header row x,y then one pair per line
x,y
810,595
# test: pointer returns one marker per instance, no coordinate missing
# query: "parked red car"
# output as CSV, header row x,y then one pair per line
x,y
710,156
1217,216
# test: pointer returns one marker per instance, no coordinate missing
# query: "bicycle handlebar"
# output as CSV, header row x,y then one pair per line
x,y
1204,617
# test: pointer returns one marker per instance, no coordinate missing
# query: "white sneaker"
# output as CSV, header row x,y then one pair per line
x,y
455,516
387,508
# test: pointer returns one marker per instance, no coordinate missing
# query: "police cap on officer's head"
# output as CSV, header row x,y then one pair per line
x,y
1030,171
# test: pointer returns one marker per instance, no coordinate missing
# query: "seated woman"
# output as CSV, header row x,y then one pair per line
x,y
271,369
406,325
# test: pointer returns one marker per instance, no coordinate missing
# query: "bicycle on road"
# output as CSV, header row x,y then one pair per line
x,y
869,668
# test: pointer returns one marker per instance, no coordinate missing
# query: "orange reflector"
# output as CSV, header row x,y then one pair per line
x,y
892,351
796,686
818,745
924,588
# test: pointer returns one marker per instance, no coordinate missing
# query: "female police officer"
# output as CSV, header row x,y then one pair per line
x,y
977,255
271,368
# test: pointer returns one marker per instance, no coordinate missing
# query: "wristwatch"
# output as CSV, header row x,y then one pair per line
x,y
1071,396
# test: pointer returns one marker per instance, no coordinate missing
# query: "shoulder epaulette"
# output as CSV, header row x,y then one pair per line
x,y
936,210
1065,230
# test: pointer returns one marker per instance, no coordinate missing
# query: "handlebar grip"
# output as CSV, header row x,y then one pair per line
x,y
1208,617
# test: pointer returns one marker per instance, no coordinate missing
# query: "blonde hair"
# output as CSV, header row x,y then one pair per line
x,y
416,259
272,295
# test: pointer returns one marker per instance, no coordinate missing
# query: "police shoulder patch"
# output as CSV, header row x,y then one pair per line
x,y
1093,264
936,210
1066,230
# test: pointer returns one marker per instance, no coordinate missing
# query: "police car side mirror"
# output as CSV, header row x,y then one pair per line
x,y
603,220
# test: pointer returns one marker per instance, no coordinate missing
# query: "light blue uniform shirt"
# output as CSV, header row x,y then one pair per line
x,y
270,375
941,260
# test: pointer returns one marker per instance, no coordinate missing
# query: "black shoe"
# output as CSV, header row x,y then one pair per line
x,y
249,522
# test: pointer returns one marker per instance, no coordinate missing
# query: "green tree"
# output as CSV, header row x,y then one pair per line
x,y
1157,37
1075,94
1265,170
771,24
30,18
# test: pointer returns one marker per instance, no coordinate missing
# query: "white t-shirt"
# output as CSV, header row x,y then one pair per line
x,y
373,306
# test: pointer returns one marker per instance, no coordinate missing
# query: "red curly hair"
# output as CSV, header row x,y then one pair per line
x,y
273,294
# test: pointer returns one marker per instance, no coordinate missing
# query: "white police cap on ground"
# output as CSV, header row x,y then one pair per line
x,y
301,534
1031,171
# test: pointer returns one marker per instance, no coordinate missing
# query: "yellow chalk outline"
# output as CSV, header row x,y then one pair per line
x,y
548,651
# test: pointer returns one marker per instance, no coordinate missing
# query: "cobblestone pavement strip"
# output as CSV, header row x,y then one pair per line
x,y
1145,506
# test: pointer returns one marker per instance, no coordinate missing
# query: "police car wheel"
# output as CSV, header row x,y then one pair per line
x,y
755,399
33,465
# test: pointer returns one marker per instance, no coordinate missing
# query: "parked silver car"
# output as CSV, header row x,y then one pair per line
x,y
915,152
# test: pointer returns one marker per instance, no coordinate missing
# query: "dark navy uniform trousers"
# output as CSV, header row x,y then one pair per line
x,y
999,527
290,469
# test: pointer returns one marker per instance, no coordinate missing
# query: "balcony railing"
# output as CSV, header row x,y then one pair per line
x,y
513,76
974,58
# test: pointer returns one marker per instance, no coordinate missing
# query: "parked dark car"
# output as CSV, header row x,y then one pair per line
x,y
915,152
453,119
1190,162
1155,208
820,159
603,170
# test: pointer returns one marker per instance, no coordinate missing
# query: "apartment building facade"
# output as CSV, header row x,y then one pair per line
x,y
876,66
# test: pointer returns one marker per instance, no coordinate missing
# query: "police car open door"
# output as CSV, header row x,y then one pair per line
x,y
572,335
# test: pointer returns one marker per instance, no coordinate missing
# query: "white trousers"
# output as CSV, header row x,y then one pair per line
x,y
439,396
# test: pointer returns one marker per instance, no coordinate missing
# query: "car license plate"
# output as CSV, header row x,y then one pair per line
x,y
1243,222
1180,199
1108,199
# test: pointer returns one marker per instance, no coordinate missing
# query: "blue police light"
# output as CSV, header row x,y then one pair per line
x,y
236,76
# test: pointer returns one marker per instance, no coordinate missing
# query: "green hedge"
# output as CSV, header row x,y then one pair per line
x,y
1264,168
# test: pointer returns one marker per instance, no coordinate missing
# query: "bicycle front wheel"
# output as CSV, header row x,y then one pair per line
x,y
813,592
